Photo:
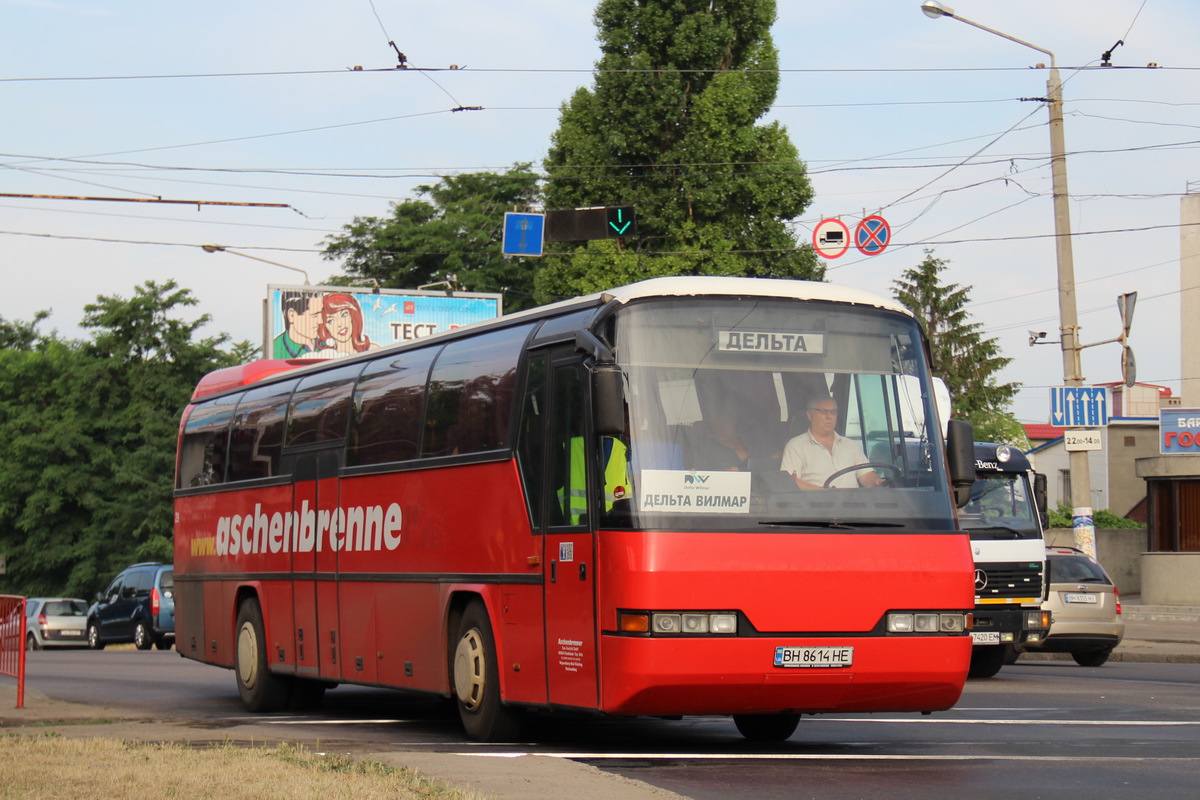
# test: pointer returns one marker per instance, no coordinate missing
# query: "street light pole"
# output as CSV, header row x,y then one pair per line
x,y
217,248
1081,477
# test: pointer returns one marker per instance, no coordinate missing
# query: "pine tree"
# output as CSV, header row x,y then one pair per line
x,y
959,353
670,128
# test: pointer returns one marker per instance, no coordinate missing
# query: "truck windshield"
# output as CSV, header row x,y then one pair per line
x,y
729,397
1001,507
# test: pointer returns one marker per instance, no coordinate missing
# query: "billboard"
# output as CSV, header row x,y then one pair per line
x,y
1179,431
337,321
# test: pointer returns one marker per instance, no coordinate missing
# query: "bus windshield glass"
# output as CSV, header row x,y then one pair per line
x,y
800,415
1001,508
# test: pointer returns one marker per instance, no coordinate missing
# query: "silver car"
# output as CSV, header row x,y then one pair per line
x,y
1085,606
55,622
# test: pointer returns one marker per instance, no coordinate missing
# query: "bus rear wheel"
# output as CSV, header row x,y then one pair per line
x,y
261,690
477,681
766,727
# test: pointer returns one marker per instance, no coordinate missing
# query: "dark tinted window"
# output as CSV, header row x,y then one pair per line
x,y
143,580
257,434
470,394
320,407
1071,569
531,436
202,452
388,405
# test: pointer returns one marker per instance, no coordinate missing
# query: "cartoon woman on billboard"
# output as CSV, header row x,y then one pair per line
x,y
341,329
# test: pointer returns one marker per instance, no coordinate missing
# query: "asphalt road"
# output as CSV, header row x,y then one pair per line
x,y
1039,729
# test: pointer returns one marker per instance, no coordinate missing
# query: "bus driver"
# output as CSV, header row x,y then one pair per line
x,y
820,451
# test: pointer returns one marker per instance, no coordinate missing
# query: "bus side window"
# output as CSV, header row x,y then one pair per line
x,y
531,438
202,451
256,438
320,407
389,403
470,394
568,468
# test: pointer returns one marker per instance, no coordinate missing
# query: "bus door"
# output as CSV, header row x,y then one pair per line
x,y
569,543
314,563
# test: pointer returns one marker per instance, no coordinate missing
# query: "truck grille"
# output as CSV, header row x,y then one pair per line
x,y
1021,579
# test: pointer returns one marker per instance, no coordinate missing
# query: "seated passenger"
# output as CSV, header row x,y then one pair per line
x,y
819,452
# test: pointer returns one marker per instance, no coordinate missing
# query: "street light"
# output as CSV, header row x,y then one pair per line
x,y
1081,479
216,248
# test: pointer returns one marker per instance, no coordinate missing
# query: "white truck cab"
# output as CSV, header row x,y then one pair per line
x,y
1006,518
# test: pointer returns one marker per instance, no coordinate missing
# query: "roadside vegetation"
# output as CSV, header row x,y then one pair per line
x,y
1061,518
48,766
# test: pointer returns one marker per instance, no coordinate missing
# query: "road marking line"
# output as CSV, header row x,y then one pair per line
x,y
817,757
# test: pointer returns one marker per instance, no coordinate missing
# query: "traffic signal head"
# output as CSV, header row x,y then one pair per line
x,y
581,224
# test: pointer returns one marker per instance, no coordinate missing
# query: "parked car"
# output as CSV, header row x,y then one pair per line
x,y
138,606
1085,608
55,622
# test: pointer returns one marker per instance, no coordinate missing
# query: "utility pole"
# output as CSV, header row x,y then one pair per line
x,y
1082,521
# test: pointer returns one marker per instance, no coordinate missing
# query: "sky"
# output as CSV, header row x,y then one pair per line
x,y
920,121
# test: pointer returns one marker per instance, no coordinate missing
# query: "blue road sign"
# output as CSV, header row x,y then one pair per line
x,y
872,235
523,234
1079,406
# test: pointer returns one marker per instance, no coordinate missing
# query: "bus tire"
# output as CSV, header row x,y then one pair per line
x,y
306,694
141,636
476,681
766,727
261,690
986,661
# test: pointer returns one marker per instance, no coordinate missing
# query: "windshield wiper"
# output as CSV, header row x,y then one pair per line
x,y
1017,533
841,524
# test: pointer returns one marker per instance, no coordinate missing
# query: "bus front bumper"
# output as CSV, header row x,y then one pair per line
x,y
689,676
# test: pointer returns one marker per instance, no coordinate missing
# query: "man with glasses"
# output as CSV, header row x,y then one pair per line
x,y
821,451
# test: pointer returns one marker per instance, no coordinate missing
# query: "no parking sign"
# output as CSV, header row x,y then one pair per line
x,y
872,235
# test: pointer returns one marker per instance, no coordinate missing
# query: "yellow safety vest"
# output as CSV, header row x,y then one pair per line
x,y
616,477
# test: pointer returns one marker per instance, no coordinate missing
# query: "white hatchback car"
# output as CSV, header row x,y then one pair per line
x,y
55,622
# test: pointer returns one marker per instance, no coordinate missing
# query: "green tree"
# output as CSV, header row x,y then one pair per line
x,y
453,227
87,439
670,127
960,354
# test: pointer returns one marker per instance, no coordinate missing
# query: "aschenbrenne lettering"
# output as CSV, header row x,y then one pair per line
x,y
350,529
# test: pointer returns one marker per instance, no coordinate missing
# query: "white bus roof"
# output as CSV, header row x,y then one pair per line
x,y
688,286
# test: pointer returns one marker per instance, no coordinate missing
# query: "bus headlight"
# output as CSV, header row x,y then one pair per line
x,y
678,623
928,622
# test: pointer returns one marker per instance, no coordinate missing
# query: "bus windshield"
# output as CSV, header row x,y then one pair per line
x,y
752,412
1001,507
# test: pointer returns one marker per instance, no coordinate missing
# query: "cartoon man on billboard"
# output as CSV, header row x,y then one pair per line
x,y
302,313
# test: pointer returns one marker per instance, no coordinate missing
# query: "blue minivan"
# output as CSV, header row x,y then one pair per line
x,y
138,607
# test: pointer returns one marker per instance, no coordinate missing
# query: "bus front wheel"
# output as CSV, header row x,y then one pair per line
x,y
986,660
261,690
766,727
477,681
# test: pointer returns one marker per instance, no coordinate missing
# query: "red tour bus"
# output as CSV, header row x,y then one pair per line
x,y
583,508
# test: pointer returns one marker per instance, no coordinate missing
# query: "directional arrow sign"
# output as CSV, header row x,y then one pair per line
x,y
1079,406
620,221
522,234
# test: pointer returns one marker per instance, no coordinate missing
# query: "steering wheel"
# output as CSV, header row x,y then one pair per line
x,y
896,472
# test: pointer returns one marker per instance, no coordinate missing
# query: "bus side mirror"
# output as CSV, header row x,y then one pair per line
x,y
1039,497
960,457
608,400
